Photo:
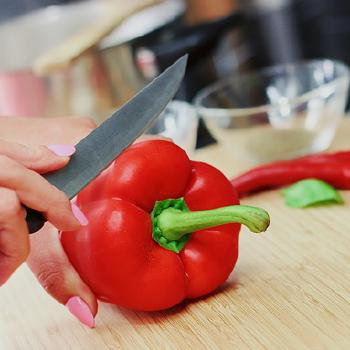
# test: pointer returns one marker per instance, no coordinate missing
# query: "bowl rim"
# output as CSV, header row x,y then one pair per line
x,y
208,112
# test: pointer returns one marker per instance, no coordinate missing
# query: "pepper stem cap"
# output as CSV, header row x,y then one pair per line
x,y
173,221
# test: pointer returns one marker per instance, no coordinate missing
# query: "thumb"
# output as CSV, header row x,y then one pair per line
x,y
42,159
50,265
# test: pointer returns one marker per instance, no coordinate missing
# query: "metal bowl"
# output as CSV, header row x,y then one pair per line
x,y
95,83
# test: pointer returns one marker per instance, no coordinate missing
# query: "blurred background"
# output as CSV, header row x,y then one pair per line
x,y
224,38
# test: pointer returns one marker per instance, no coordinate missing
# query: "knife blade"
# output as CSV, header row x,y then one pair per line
x,y
96,151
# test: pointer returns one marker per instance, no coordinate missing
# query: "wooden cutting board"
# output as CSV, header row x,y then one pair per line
x,y
289,290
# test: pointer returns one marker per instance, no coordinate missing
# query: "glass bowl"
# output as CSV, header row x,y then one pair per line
x,y
279,112
179,122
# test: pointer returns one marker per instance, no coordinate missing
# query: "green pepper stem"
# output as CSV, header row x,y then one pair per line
x,y
175,223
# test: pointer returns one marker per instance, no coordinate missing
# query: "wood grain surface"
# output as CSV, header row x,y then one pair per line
x,y
289,290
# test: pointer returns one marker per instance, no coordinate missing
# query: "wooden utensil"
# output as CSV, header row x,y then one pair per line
x,y
73,47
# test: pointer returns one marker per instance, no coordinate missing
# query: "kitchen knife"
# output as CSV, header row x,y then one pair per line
x,y
96,151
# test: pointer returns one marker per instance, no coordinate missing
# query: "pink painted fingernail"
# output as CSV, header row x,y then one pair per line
x,y
79,215
62,150
81,311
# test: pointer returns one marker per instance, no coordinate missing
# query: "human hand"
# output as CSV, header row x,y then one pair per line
x,y
20,183
47,259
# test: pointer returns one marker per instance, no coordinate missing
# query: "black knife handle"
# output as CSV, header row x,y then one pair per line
x,y
35,220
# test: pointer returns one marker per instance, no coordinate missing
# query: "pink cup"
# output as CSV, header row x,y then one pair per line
x,y
22,94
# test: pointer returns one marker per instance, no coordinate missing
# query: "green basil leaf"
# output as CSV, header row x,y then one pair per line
x,y
311,192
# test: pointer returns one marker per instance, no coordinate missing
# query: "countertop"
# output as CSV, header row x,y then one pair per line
x,y
290,290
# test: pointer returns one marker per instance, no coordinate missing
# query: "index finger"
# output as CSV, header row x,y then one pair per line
x,y
37,193
42,159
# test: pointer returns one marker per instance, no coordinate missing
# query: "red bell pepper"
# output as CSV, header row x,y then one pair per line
x,y
155,236
333,168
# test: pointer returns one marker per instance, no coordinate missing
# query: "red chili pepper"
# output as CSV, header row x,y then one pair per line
x,y
333,168
153,237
